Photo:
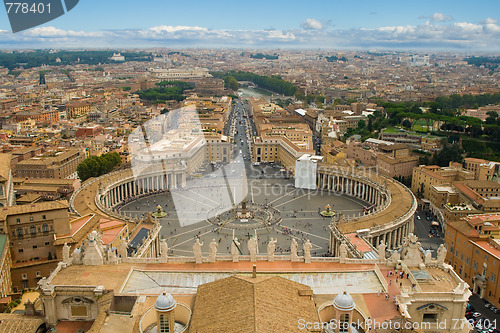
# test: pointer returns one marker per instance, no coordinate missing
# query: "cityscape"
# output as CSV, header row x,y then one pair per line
x,y
199,174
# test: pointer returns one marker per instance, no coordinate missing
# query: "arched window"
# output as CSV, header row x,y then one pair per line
x,y
19,232
164,327
33,230
45,227
344,323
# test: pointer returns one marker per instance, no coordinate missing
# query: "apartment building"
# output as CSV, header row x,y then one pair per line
x,y
473,244
56,163
32,230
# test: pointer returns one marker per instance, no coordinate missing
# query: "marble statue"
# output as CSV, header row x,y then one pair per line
x,y
413,256
252,248
428,257
343,250
293,250
271,247
212,250
235,252
123,249
92,236
395,256
441,254
381,250
76,257
65,253
307,251
163,248
112,259
197,251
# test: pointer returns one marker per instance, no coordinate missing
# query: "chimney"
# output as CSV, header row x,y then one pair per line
x,y
254,271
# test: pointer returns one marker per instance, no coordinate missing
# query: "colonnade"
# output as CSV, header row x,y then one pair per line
x,y
391,232
352,186
132,187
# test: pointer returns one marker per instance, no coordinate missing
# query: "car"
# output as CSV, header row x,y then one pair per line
x,y
487,305
494,309
418,217
476,315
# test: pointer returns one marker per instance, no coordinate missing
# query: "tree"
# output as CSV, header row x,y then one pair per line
x,y
231,83
449,153
361,124
95,166
406,124
370,124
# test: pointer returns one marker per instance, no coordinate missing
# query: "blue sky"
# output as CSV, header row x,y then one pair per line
x,y
442,24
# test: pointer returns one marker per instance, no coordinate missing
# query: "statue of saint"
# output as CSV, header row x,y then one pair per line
x,y
307,251
271,247
65,253
441,254
197,251
123,249
381,250
293,250
252,248
163,248
234,249
343,250
212,250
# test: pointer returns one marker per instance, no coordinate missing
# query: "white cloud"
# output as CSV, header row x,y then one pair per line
x,y
312,24
172,29
491,26
457,35
440,17
54,32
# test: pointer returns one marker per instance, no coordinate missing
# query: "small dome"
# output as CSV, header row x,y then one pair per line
x,y
344,302
165,302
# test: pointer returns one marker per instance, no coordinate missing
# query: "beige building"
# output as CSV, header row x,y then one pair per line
x,y
5,265
7,196
32,230
57,163
473,244
483,169
426,176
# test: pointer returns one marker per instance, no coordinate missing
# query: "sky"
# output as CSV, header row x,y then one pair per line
x,y
327,24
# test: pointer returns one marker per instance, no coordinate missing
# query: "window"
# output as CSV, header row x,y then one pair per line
x,y
47,243
31,218
24,276
164,327
35,247
19,232
45,228
20,250
474,265
38,274
430,317
18,220
44,217
344,323
492,277
33,230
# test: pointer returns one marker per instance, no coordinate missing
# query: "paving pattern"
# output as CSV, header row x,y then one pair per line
x,y
298,211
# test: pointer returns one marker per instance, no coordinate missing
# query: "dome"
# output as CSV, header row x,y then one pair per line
x,y
165,302
344,302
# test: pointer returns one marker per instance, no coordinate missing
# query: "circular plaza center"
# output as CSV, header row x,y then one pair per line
x,y
272,208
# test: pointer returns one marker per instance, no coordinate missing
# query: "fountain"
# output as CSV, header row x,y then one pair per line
x,y
328,212
159,212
